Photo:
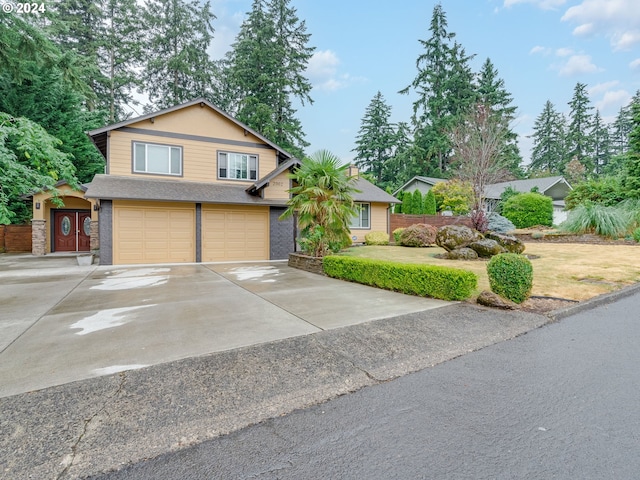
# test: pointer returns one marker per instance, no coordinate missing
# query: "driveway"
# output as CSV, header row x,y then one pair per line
x,y
60,322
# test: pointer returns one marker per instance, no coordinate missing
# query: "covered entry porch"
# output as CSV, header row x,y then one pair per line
x,y
63,222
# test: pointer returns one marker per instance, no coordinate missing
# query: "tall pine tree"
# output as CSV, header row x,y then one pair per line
x,y
494,96
548,153
264,73
579,141
376,139
444,85
177,67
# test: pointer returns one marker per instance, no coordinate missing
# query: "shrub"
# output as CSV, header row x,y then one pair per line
x,y
429,203
454,195
636,234
424,280
510,276
500,224
376,238
418,235
396,235
416,202
606,191
529,209
595,218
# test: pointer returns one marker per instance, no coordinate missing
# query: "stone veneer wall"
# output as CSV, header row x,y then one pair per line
x,y
304,262
38,237
94,241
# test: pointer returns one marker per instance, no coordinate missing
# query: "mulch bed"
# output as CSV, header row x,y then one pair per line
x,y
545,304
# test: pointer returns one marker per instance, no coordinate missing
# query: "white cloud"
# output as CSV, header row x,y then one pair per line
x,y
635,65
577,65
601,88
539,49
618,20
322,71
543,4
613,100
564,52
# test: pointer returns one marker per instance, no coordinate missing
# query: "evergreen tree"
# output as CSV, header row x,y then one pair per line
x,y
493,95
601,143
376,139
264,73
631,181
177,67
77,26
579,142
407,202
401,167
622,127
444,85
120,55
548,151
429,203
416,202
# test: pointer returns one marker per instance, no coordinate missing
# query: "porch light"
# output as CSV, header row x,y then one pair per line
x,y
95,207
37,205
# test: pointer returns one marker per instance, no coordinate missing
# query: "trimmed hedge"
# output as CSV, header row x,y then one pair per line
x,y
528,209
415,279
376,238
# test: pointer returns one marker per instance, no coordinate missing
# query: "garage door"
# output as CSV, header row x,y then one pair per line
x,y
235,233
153,233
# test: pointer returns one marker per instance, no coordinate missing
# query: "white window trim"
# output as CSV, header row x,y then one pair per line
x,y
146,171
227,154
359,226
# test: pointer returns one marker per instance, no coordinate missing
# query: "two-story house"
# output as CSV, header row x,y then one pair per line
x,y
185,184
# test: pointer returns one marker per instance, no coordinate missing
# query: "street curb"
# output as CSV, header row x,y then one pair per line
x,y
594,302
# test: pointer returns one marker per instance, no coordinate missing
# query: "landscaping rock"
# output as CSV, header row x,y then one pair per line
x,y
487,248
490,299
463,253
510,243
451,237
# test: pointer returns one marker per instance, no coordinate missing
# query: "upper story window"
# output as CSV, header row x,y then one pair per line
x,y
237,166
158,159
362,218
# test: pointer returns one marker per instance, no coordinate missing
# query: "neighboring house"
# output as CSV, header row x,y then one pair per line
x,y
555,187
424,184
186,184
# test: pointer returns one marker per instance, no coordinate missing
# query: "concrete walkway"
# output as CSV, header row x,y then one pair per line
x,y
60,322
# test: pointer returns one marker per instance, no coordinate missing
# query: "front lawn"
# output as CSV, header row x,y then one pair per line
x,y
572,271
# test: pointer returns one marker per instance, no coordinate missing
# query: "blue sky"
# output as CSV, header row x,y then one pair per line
x,y
541,49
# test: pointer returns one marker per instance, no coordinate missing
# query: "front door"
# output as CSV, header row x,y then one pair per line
x,y
71,231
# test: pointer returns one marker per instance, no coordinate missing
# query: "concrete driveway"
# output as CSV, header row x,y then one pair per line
x,y
60,322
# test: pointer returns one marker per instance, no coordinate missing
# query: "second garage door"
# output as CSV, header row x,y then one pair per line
x,y
153,233
235,233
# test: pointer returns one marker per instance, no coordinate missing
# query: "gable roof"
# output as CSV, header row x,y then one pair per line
x,y
428,180
264,181
542,184
99,135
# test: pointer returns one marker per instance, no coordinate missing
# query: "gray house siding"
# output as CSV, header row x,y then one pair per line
x,y
281,234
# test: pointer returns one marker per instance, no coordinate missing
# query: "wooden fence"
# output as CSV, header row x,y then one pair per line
x,y
401,220
15,238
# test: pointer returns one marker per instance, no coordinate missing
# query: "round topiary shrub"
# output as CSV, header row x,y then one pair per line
x,y
418,235
376,238
396,235
510,276
529,209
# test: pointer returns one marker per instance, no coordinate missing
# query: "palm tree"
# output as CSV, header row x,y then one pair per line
x,y
322,197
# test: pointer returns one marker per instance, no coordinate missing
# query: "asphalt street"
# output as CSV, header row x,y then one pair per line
x,y
561,402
